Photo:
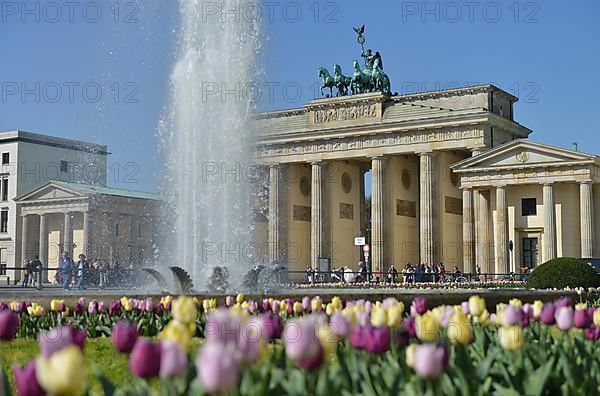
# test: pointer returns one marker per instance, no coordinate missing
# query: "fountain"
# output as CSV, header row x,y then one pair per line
x,y
207,138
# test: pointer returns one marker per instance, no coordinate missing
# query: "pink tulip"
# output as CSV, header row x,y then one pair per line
x,y
430,360
274,325
547,316
218,366
378,339
301,343
582,318
564,317
60,337
173,360
420,305
340,325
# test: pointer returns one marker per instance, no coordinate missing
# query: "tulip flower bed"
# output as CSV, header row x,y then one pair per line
x,y
305,347
500,284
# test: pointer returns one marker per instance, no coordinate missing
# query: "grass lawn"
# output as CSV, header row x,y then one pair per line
x,y
99,352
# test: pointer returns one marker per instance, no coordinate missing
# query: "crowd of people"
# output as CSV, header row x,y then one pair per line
x,y
409,274
79,274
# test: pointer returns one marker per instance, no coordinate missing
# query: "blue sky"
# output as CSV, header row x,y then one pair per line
x,y
546,52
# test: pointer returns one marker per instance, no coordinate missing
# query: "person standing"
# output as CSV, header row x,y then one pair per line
x,y
66,268
36,269
81,271
26,273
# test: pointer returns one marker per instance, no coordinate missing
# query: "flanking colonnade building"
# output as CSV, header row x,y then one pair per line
x,y
454,180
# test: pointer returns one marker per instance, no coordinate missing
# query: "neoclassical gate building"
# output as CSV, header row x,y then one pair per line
x,y
454,180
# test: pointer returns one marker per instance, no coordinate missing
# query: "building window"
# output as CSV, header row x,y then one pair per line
x,y
528,207
64,166
139,230
3,252
4,220
5,189
5,158
117,229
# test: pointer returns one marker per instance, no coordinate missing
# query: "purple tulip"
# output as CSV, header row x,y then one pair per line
x,y
420,305
4,306
124,336
77,308
159,307
564,317
229,301
275,306
274,325
547,316
173,360
410,326
430,360
525,317
358,337
168,306
218,366
9,325
339,325
592,333
114,308
582,318
253,335
101,306
378,339
60,337
266,306
144,361
563,302
511,315
402,338
62,307
81,301
26,380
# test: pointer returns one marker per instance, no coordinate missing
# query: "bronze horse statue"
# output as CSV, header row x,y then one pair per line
x,y
328,81
342,82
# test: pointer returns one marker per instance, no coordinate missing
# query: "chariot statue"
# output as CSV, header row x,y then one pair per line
x,y
370,78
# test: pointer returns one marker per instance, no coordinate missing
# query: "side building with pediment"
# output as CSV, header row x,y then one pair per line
x,y
453,180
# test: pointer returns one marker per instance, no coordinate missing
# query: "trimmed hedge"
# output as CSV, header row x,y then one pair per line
x,y
563,272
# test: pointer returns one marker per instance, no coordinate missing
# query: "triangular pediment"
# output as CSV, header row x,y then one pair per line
x,y
49,191
523,153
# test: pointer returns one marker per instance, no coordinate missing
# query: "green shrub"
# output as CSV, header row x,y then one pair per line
x,y
563,272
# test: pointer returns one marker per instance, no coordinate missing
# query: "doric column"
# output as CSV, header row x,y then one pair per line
x,y
68,234
468,232
24,239
426,208
377,169
274,215
483,240
586,204
316,220
501,236
549,240
43,246
86,235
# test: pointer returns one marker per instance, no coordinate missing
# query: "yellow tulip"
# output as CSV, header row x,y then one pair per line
x,y
516,302
597,318
297,307
127,305
315,305
54,305
63,373
179,332
410,355
13,305
350,314
197,301
35,310
239,298
328,339
184,310
581,305
476,305
378,317
481,319
394,315
166,300
511,338
427,327
459,329
336,302
330,309
537,307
